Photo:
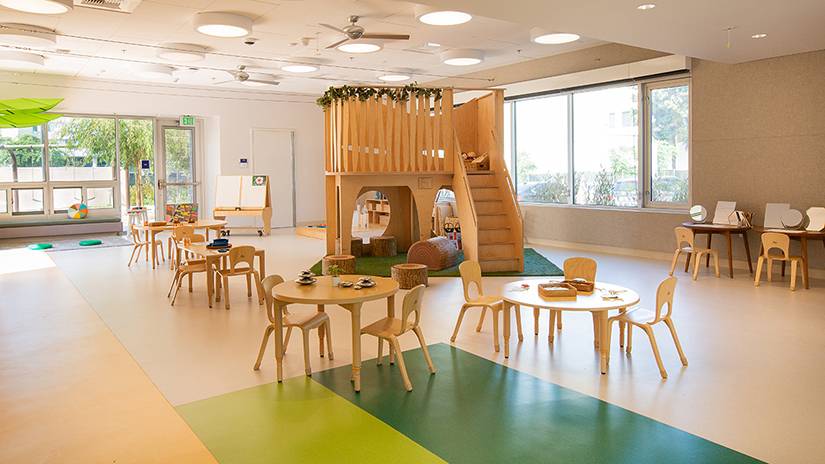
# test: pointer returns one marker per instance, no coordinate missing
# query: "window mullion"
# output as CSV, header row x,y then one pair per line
x,y
570,152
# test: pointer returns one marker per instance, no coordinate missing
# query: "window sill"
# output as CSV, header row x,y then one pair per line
x,y
674,210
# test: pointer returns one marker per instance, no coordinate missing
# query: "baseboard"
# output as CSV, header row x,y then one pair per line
x,y
647,254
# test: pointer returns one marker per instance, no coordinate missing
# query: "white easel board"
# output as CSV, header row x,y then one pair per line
x,y
240,192
228,192
252,196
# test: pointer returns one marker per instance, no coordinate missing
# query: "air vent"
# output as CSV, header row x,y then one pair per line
x,y
120,6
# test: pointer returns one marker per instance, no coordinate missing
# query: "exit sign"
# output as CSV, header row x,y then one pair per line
x,y
187,120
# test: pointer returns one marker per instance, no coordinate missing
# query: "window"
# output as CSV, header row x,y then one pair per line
x,y
668,143
137,143
81,149
64,197
541,149
4,205
21,154
27,201
100,197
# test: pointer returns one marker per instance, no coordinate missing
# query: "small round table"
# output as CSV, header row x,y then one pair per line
x,y
323,293
514,294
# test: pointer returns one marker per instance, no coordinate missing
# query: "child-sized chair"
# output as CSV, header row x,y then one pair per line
x,y
241,260
317,320
182,233
142,244
781,242
685,236
390,329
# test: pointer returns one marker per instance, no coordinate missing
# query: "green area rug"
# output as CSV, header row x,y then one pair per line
x,y
534,265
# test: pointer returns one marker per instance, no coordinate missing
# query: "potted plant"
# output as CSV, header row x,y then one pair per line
x,y
335,271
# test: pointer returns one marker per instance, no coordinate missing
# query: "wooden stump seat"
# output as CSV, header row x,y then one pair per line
x,y
345,262
409,275
385,245
356,247
436,253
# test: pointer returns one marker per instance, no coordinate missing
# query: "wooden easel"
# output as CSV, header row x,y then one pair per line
x,y
247,202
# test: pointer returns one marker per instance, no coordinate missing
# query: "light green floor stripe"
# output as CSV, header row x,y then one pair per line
x,y
297,421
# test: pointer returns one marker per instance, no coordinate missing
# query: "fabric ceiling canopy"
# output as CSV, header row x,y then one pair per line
x,y
28,105
26,120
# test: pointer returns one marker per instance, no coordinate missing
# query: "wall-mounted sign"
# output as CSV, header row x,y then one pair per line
x,y
187,120
244,162
144,164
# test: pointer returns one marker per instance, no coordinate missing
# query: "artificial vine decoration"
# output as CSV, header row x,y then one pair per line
x,y
397,94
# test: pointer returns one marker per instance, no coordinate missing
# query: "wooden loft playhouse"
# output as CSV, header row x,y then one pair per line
x,y
409,142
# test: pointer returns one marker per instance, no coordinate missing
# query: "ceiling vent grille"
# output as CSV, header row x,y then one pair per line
x,y
121,6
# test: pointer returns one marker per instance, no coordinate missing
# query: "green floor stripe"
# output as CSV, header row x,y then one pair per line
x,y
298,421
477,411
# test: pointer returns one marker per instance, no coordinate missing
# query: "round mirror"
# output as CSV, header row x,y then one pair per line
x,y
698,213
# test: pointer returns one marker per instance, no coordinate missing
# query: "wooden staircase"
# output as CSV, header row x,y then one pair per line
x,y
499,249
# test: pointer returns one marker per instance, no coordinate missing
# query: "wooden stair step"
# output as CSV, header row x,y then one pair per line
x,y
493,234
496,250
485,193
493,221
500,265
486,179
489,207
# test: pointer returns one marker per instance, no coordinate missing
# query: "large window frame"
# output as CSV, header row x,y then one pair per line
x,y
644,144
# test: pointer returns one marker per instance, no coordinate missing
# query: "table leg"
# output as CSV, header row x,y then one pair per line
x,y
707,262
506,317
206,233
210,279
262,264
152,240
355,310
747,250
803,240
730,253
321,333
604,344
279,339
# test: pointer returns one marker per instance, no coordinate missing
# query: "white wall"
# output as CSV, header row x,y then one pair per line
x,y
228,118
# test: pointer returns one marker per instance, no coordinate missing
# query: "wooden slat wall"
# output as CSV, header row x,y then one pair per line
x,y
379,135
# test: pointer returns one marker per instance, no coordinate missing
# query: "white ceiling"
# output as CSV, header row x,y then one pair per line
x,y
694,28
279,25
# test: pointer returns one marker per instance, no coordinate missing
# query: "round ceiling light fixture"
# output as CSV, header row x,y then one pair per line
x,y
12,59
552,38
441,17
397,75
462,57
761,35
221,24
299,68
49,7
360,46
181,52
158,72
646,6
27,35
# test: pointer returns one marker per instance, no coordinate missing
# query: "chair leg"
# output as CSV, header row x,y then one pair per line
x,y
458,323
217,287
621,333
716,263
401,366
595,329
132,256
175,296
793,273
226,291
496,346
696,262
249,285
190,282
629,345
758,275
328,333
770,270
558,320
267,333
380,359
672,327
286,339
518,323
687,260
673,263
321,330
481,319
649,331
259,287
535,321
174,281
305,339
551,336
424,349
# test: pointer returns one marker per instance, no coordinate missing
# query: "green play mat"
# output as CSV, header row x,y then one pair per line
x,y
89,242
40,246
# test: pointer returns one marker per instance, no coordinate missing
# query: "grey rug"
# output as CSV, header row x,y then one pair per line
x,y
67,242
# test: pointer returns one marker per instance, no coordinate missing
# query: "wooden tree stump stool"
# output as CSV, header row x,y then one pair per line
x,y
356,247
345,262
384,245
409,275
436,253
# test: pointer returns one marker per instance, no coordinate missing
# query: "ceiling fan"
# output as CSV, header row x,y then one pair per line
x,y
354,32
242,76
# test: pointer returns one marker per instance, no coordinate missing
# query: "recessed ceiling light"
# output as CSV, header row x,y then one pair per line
x,y
39,6
220,24
397,75
554,38
299,68
12,59
462,57
646,6
181,52
154,71
27,35
759,36
360,46
433,44
433,17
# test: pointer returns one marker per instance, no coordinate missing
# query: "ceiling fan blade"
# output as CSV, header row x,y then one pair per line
x,y
263,82
338,43
336,29
224,82
387,36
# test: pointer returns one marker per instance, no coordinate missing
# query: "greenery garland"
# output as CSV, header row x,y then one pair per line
x,y
397,94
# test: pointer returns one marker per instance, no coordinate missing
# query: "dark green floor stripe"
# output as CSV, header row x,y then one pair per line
x,y
476,411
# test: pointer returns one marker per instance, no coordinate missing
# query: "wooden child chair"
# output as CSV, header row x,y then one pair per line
x,y
241,260
142,244
471,275
646,319
390,329
782,243
317,320
685,236
183,233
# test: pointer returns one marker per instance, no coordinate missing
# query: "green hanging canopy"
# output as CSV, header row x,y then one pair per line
x,y
27,112
26,120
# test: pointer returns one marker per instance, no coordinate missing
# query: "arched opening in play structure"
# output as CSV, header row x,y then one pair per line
x,y
371,216
445,213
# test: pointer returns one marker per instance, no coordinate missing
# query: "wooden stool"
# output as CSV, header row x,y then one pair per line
x,y
409,275
356,247
345,262
436,253
384,245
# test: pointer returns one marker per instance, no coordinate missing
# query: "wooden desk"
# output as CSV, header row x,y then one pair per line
x,y
803,236
152,231
323,293
215,259
727,231
514,295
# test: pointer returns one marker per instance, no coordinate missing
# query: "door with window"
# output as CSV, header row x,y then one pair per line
x,y
177,180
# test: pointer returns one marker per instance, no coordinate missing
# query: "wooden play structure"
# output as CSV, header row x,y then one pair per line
x,y
408,149
244,196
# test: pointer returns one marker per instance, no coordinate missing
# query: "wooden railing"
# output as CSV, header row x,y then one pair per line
x,y
467,216
385,136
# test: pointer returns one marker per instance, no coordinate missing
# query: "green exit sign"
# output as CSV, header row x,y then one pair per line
x,y
187,120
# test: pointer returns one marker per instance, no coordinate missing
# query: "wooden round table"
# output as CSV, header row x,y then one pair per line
x,y
514,294
152,231
323,293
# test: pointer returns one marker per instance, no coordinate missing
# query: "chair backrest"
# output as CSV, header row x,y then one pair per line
x,y
580,268
268,284
775,240
134,234
183,232
244,254
412,305
683,235
664,296
470,272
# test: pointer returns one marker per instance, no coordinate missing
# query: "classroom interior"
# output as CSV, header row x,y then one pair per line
x,y
379,231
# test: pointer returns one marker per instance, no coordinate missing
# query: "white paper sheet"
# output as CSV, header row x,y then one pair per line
x,y
773,214
722,215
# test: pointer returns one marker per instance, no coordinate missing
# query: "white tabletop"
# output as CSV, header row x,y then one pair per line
x,y
514,293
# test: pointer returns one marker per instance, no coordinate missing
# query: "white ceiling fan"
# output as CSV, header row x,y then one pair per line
x,y
241,75
353,31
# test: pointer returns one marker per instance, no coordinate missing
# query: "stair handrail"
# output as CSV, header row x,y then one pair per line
x,y
510,184
462,172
